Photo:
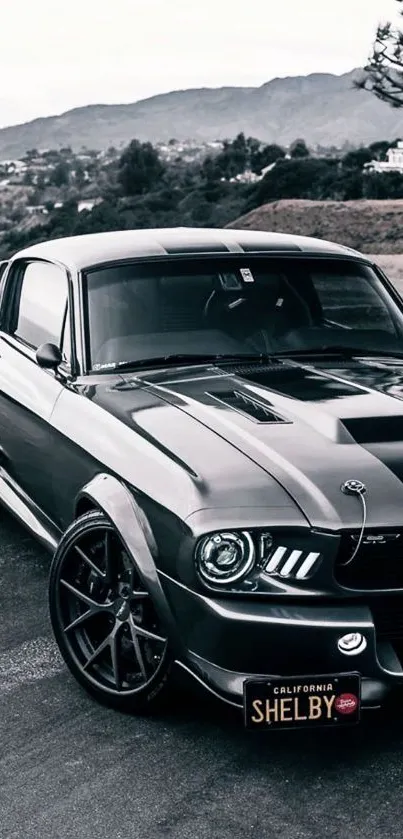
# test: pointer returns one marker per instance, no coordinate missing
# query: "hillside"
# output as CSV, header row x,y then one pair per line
x,y
323,108
369,226
392,265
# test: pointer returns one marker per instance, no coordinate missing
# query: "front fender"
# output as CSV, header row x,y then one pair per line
x,y
111,496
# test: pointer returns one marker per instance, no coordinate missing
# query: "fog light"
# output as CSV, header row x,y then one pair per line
x,y
225,557
352,644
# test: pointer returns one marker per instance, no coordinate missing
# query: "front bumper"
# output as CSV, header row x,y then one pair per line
x,y
225,641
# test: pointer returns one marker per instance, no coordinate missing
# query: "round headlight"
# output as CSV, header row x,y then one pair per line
x,y
225,557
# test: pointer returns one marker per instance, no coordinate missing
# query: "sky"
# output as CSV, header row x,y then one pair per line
x,y
60,55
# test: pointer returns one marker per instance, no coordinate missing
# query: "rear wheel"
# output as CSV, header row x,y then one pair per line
x,y
104,619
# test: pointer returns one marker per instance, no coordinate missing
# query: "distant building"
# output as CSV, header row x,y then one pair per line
x,y
88,205
37,210
13,166
215,144
249,177
394,162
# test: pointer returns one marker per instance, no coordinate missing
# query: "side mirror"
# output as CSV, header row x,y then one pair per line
x,y
49,356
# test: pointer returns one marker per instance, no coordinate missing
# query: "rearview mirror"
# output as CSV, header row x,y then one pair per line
x,y
49,356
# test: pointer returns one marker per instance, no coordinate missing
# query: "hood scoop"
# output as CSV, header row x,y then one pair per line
x,y
387,429
247,405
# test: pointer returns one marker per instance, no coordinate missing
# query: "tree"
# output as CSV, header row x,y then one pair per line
x,y
79,175
291,179
232,160
299,149
357,158
383,185
60,175
265,156
140,168
383,74
379,149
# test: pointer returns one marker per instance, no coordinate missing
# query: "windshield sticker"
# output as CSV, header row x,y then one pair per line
x,y
247,275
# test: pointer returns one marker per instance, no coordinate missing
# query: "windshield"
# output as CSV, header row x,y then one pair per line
x,y
236,306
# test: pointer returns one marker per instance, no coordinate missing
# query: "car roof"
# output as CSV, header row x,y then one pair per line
x,y
80,252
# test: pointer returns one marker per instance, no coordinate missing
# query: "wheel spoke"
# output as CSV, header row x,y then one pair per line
x,y
137,649
81,619
115,659
102,646
89,562
146,633
85,597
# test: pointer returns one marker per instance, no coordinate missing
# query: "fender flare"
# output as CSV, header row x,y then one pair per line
x,y
115,500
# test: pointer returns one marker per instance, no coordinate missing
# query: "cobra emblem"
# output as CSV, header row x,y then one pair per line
x,y
353,487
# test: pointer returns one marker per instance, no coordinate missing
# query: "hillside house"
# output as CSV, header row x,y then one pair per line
x,y
88,205
249,177
36,210
13,167
393,163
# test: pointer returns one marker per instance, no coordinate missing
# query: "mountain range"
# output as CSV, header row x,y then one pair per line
x,y
322,108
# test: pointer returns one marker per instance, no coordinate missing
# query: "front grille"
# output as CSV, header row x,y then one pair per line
x,y
292,563
387,614
378,564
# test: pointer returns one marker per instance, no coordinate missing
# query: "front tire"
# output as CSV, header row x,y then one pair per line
x,y
104,620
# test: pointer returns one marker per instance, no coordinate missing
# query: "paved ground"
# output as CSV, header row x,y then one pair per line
x,y
71,769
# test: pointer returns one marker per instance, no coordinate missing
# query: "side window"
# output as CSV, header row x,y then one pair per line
x,y
352,302
42,308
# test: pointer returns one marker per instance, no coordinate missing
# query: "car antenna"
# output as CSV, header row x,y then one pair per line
x,y
354,487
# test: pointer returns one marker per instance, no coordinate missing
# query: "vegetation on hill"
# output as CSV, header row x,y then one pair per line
x,y
61,194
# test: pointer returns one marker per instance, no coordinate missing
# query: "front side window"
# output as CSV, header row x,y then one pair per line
x,y
42,307
235,305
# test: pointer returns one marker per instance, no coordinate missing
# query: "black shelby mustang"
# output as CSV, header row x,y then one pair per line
x,y
205,427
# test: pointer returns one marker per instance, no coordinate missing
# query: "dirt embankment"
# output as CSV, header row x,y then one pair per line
x,y
369,226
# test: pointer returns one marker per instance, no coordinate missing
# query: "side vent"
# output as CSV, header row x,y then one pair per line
x,y
251,370
247,405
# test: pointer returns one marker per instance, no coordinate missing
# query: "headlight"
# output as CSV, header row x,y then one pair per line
x,y
225,557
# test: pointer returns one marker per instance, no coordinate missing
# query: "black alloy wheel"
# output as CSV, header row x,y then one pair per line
x,y
104,620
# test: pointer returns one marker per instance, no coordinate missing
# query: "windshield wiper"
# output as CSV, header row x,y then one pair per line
x,y
345,352
179,358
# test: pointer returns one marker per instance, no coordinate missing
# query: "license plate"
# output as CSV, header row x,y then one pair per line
x,y
302,701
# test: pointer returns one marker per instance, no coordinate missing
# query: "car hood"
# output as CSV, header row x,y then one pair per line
x,y
311,427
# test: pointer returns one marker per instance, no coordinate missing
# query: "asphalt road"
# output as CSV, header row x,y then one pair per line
x,y
70,768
